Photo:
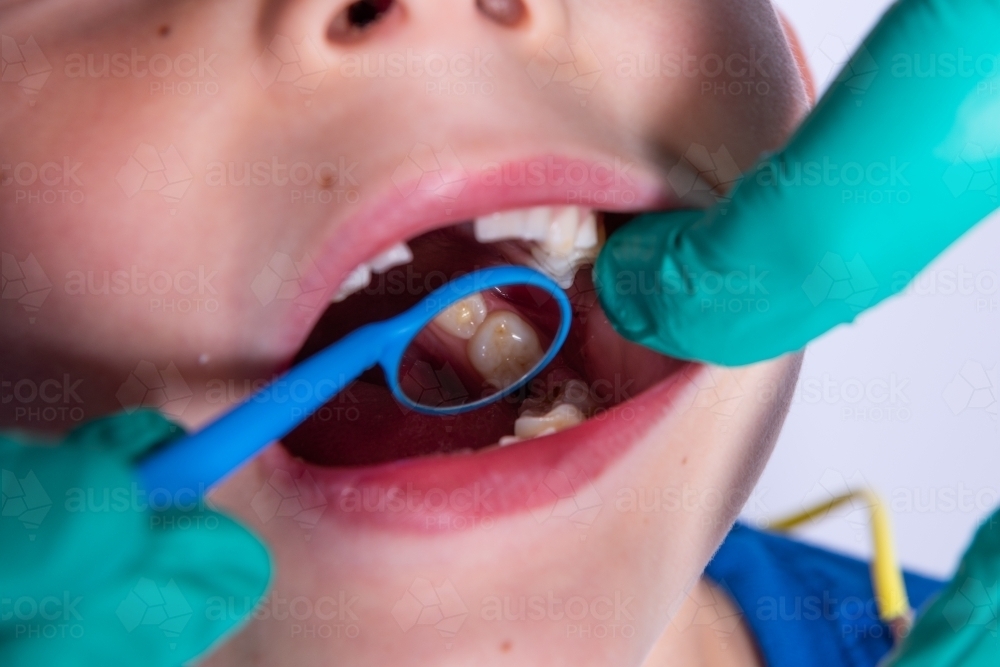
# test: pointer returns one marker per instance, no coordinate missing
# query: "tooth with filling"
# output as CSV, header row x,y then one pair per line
x,y
361,276
504,348
462,319
536,424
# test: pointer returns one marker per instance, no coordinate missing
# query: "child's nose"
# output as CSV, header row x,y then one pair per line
x,y
352,23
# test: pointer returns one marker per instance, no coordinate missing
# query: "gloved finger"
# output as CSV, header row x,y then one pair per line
x,y
128,435
197,580
888,170
959,627
71,517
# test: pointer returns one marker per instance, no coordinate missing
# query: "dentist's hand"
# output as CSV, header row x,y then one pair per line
x,y
91,575
896,162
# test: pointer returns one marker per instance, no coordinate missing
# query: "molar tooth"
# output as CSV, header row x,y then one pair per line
x,y
463,318
536,424
356,280
397,255
504,348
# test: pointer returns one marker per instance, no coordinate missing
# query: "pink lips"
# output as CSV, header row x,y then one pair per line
x,y
419,202
457,491
461,491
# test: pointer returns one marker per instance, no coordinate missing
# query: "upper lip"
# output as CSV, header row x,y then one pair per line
x,y
402,211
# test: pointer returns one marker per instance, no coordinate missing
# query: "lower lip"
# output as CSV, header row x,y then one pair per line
x,y
460,491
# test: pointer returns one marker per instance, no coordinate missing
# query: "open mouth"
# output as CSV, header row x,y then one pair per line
x,y
596,371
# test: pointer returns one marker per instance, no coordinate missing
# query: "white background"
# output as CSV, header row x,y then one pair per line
x,y
935,463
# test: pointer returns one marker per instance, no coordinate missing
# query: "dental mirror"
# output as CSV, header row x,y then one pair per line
x,y
472,341
479,349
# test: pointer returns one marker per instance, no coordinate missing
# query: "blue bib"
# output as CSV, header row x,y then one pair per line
x,y
805,605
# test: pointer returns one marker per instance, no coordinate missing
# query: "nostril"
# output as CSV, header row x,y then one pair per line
x,y
504,12
357,18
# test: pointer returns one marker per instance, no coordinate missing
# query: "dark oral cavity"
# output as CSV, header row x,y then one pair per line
x,y
364,425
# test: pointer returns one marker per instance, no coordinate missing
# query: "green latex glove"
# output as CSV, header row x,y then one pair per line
x,y
960,627
891,167
89,575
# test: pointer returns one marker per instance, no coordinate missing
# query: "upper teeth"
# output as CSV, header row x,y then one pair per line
x,y
361,276
556,240
560,239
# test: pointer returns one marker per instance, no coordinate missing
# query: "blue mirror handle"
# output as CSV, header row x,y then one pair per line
x,y
198,461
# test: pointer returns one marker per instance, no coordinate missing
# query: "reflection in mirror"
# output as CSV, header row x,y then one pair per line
x,y
480,346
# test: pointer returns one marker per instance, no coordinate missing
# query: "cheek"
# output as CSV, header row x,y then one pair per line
x,y
714,76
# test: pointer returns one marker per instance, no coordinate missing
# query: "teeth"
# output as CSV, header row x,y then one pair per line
x,y
556,240
504,348
570,405
361,276
462,319
356,281
573,392
528,224
397,255
536,424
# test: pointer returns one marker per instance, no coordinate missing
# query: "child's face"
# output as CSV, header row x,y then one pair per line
x,y
196,179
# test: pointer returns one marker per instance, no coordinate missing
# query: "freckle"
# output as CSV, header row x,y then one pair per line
x,y
164,30
684,461
506,646
326,181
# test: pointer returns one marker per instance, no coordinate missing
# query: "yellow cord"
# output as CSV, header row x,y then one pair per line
x,y
887,578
